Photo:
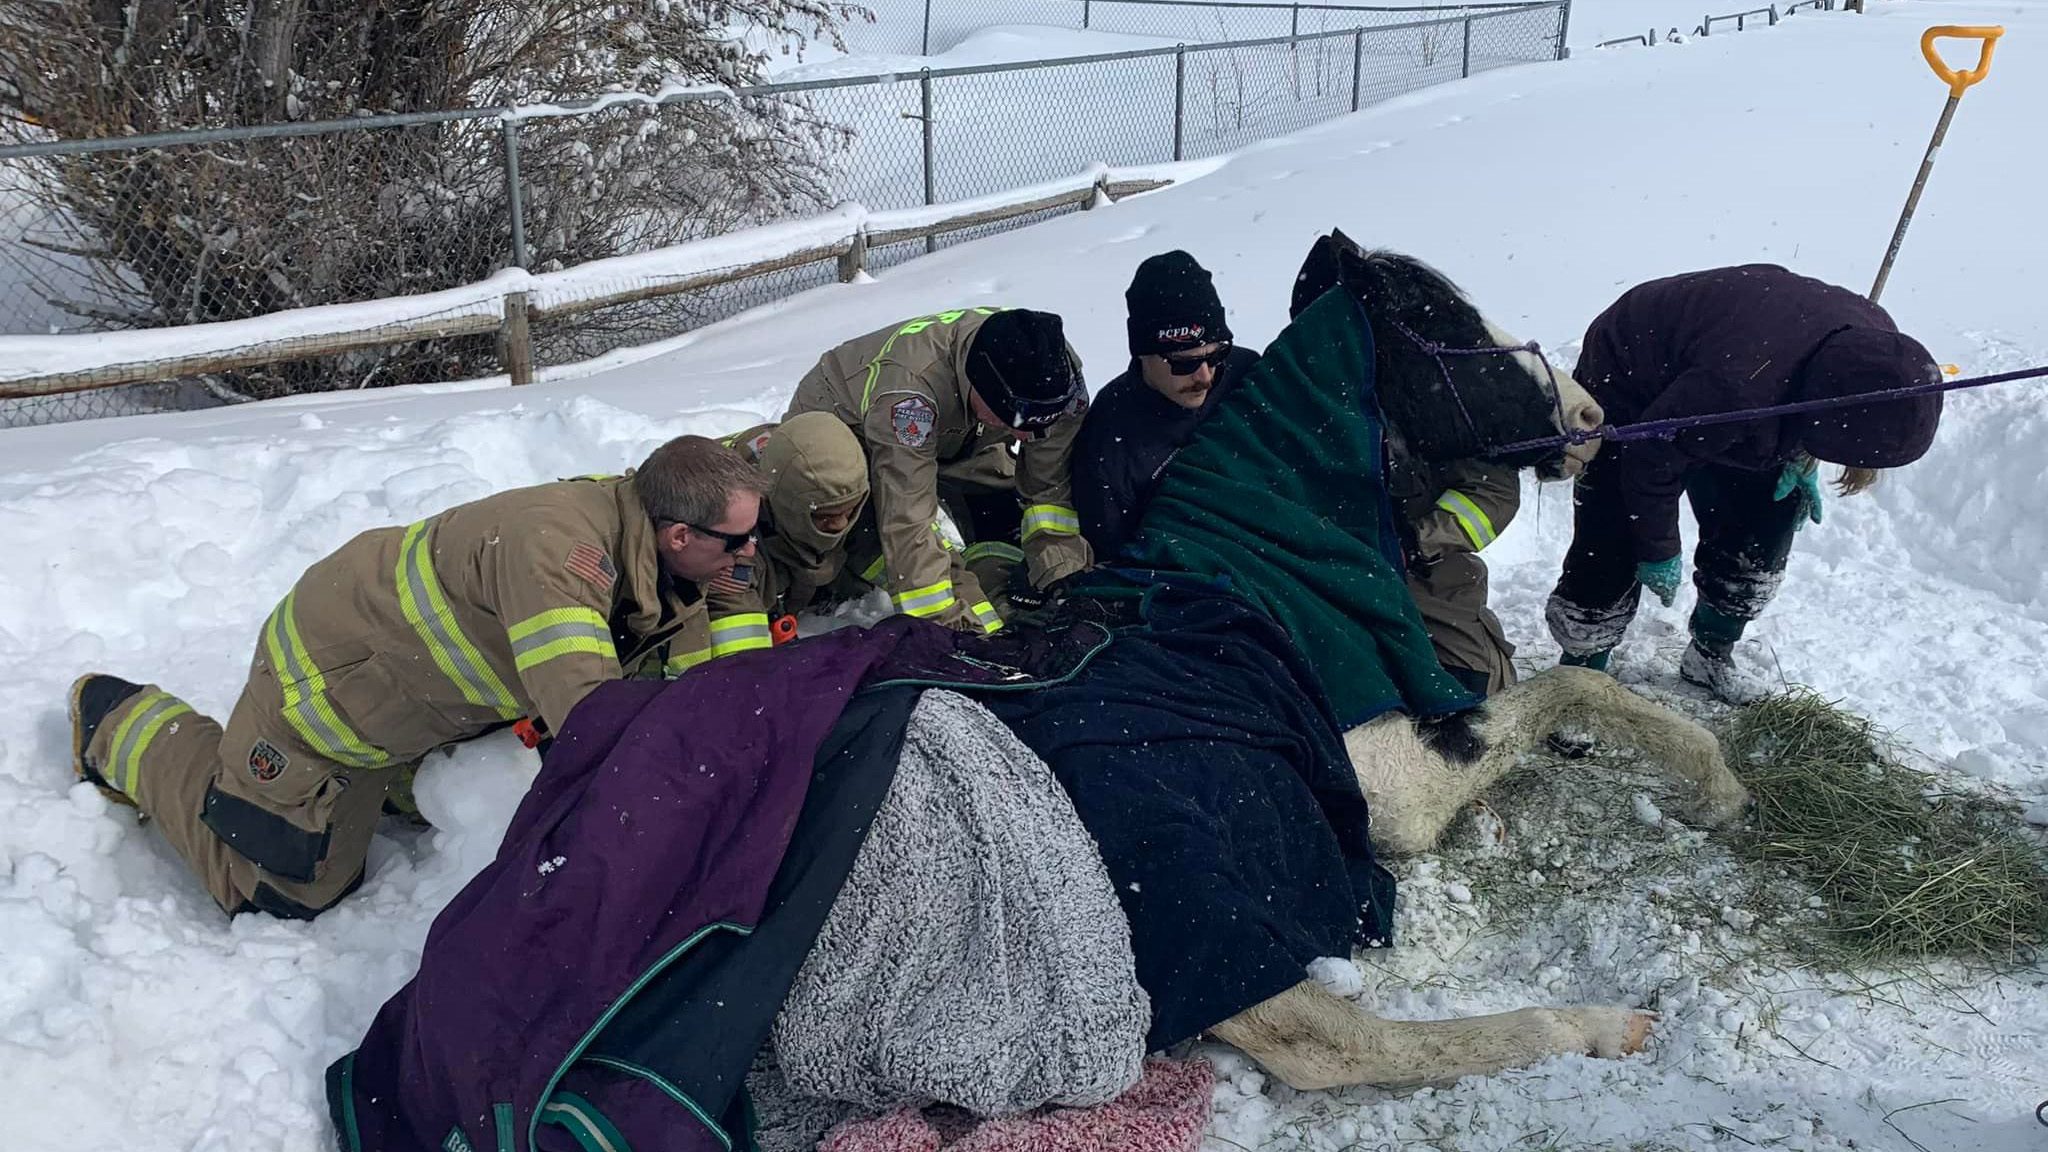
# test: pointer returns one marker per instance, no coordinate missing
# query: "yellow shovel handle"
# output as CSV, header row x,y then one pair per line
x,y
1958,81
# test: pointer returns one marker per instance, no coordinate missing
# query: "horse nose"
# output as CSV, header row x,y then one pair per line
x,y
1587,416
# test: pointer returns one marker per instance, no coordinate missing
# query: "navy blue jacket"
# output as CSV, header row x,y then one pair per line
x,y
1127,437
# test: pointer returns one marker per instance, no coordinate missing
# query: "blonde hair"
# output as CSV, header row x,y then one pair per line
x,y
1854,481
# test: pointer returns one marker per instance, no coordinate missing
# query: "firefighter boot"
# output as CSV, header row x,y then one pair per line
x,y
93,696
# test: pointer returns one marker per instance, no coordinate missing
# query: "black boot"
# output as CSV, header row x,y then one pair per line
x,y
92,697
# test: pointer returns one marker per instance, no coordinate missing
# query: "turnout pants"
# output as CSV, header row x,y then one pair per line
x,y
1451,594
265,824
1745,540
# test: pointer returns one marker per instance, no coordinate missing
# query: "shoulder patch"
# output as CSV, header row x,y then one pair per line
x,y
590,562
757,444
912,418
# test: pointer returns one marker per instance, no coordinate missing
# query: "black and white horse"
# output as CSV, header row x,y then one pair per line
x,y
1451,385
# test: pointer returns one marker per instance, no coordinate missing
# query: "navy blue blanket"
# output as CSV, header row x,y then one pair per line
x,y
1202,757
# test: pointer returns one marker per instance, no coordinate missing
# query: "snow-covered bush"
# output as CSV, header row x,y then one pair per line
x,y
233,229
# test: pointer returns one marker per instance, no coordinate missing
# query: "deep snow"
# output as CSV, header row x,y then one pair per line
x,y
134,1017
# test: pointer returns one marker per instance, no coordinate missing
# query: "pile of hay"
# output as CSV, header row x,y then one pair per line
x,y
1909,871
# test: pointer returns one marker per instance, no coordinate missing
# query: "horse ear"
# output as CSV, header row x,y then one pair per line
x,y
1319,273
1333,260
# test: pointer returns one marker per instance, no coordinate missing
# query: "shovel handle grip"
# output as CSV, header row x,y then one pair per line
x,y
1986,34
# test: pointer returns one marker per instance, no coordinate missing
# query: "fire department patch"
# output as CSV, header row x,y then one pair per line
x,y
267,761
758,444
912,419
591,563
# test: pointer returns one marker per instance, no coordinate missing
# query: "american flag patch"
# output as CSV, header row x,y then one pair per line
x,y
591,563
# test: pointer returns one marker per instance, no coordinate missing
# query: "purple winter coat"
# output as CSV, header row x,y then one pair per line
x,y
1751,336
659,821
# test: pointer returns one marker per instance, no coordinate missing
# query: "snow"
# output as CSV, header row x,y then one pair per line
x,y
134,1017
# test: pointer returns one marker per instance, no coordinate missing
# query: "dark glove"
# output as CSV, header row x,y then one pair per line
x,y
1025,598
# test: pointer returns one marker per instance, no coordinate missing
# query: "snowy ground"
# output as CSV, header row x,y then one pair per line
x,y
133,1017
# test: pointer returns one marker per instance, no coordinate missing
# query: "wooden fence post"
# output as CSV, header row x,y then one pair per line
x,y
517,338
854,260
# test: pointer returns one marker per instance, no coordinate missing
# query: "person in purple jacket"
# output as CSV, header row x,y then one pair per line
x,y
1722,340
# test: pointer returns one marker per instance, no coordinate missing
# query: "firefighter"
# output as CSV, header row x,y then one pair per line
x,y
507,609
817,482
977,407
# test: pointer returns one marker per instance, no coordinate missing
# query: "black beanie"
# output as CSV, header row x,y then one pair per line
x,y
1173,306
1019,367
1888,434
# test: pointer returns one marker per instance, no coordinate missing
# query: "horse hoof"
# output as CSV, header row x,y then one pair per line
x,y
1722,803
1636,1032
1612,1033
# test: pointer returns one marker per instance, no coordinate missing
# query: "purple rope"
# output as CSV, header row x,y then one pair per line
x,y
1437,352
1669,428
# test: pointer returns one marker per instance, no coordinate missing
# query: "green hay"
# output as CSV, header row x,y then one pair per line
x,y
1909,872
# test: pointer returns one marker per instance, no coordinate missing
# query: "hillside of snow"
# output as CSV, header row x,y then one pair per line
x,y
134,1017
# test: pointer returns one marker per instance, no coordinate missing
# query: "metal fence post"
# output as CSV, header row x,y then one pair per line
x,y
1180,97
931,243
1465,69
1564,23
925,44
515,205
1357,63
1294,47
1084,15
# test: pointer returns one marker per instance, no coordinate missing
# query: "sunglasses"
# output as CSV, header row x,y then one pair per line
x,y
1189,365
733,541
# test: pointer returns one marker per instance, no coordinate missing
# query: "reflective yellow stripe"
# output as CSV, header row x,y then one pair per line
x,y
675,666
740,632
167,711
929,600
985,612
1057,519
945,545
557,632
425,607
1000,549
873,573
306,707
1477,527
144,720
867,394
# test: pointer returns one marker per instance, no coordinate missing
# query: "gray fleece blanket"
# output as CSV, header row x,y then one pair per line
x,y
977,955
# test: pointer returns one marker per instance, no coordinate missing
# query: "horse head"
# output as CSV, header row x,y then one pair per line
x,y
1452,385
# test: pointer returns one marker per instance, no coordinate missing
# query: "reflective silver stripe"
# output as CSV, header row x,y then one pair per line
x,y
726,639
134,736
926,603
562,631
306,705
1054,518
451,650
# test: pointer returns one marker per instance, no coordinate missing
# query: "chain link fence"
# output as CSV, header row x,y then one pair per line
x,y
230,224
923,27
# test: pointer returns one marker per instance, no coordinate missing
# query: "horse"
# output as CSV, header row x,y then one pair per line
x,y
1452,385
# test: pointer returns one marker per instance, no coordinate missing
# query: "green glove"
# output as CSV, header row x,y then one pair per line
x,y
1801,476
1660,577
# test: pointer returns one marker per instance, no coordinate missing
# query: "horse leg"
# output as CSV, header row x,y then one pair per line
x,y
1312,1039
1414,792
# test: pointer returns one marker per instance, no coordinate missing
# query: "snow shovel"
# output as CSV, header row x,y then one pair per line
x,y
1958,83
